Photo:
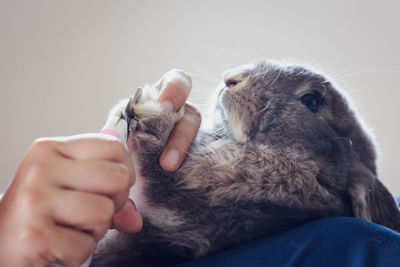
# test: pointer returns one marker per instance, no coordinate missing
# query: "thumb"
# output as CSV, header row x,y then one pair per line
x,y
128,220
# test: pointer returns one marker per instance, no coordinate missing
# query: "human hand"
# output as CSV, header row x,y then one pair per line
x,y
50,211
62,200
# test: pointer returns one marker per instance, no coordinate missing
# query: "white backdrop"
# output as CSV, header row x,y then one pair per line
x,y
63,64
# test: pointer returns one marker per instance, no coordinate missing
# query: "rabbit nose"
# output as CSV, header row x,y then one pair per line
x,y
232,79
232,82
235,76
235,83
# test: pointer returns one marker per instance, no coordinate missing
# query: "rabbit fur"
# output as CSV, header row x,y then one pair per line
x,y
286,147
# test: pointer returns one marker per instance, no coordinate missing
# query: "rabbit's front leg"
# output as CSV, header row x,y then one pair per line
x,y
153,130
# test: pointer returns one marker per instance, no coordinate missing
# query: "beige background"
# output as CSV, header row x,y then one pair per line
x,y
63,64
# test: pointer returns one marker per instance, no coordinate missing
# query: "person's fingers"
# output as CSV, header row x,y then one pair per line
x,y
92,146
96,176
128,220
87,147
70,247
84,211
180,139
55,209
175,87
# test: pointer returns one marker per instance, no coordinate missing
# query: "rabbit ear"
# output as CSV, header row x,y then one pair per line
x,y
358,187
371,200
383,206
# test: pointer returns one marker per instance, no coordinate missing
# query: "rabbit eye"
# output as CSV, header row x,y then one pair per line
x,y
311,101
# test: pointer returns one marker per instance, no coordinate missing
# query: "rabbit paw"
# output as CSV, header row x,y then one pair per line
x,y
153,124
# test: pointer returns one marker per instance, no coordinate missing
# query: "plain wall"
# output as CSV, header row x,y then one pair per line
x,y
63,64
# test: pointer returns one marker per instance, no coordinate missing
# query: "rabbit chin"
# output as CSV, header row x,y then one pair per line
x,y
235,125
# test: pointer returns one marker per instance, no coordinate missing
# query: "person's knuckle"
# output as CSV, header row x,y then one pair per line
x,y
36,172
193,115
116,149
42,144
196,112
182,73
29,199
121,178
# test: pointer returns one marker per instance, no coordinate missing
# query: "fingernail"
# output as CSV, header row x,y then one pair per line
x,y
171,158
167,106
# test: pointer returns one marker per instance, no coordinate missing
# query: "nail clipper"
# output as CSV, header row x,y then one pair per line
x,y
126,123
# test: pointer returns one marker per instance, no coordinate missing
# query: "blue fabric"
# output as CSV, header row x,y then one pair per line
x,y
339,241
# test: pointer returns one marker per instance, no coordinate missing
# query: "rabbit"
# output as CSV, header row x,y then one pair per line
x,y
285,148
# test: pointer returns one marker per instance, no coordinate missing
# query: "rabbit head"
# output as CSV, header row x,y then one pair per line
x,y
303,115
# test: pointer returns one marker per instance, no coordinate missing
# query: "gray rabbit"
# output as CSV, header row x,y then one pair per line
x,y
286,148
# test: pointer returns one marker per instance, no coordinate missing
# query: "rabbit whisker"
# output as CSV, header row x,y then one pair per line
x,y
348,140
264,108
323,94
276,78
366,72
